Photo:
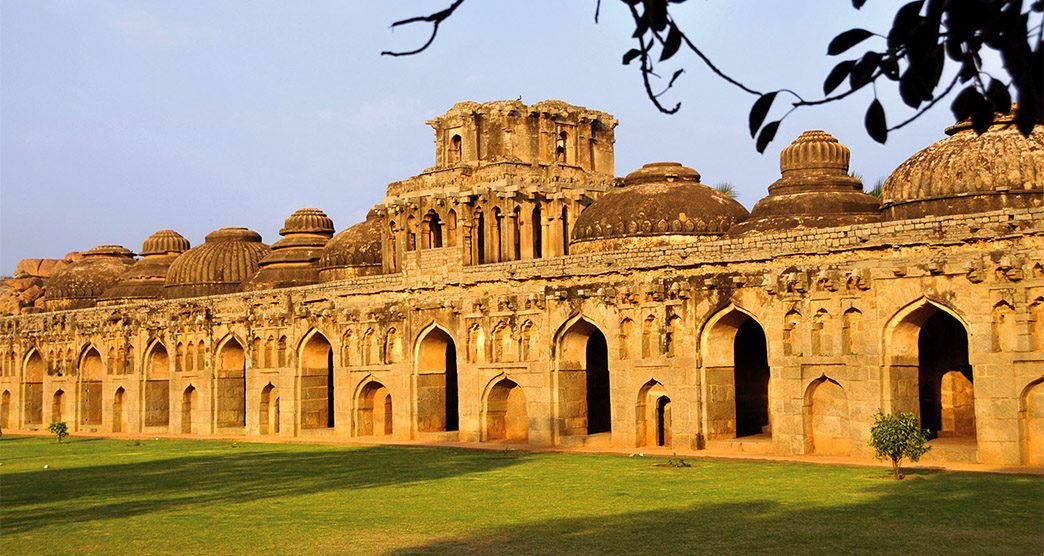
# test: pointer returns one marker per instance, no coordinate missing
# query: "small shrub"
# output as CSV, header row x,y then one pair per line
x,y
59,429
897,437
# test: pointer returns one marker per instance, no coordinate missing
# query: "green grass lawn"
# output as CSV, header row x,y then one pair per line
x,y
193,497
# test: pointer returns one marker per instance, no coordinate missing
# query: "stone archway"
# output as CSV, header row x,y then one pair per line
x,y
268,412
230,380
119,415
317,383
57,405
507,418
188,410
437,385
1032,417
33,395
91,372
157,386
736,376
827,429
374,416
5,409
583,380
653,413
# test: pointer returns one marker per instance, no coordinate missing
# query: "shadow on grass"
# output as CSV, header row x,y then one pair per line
x,y
933,513
35,499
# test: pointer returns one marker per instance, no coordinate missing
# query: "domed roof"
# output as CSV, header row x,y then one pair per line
x,y
227,257
660,203
815,190
80,284
293,259
163,242
355,251
145,278
968,173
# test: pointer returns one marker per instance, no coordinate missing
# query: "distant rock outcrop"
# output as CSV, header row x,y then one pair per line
x,y
23,293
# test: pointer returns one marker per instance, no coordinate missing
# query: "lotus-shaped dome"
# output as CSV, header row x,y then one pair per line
x,y
144,280
227,258
660,203
815,190
353,252
294,259
968,173
80,284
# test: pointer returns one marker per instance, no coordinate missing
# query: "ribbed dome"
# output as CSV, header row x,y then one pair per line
x,y
144,280
353,252
815,190
308,221
226,259
968,173
660,203
80,284
163,242
293,260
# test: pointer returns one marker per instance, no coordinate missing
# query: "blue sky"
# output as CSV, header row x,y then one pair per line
x,y
118,118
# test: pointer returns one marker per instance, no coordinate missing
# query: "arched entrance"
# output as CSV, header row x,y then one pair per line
x,y
826,419
506,416
57,403
437,394
33,393
583,380
317,384
736,376
269,411
157,387
119,419
91,367
231,384
374,411
653,412
1032,417
5,409
188,400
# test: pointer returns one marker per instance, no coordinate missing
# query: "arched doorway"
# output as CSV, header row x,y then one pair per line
x,y
231,384
157,387
583,380
736,376
91,371
653,412
33,394
826,419
57,403
188,400
119,419
437,394
317,383
1032,417
269,411
506,415
374,413
5,409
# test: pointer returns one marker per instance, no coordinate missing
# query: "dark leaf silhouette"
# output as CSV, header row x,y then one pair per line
x,y
847,40
760,110
671,44
768,133
631,55
875,122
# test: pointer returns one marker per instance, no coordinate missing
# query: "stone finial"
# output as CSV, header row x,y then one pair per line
x,y
308,221
164,242
814,152
109,251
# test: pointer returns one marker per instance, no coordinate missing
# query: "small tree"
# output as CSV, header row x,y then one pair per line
x,y
898,436
59,429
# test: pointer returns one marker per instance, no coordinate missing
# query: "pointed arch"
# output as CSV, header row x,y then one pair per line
x,y
653,415
649,338
374,414
33,370
821,336
89,364
827,428
915,357
584,389
392,346
119,413
525,341
852,331
230,380
1004,327
1031,421
476,343
315,360
735,375
58,405
188,410
1036,324
157,385
626,337
5,410
505,414
268,411
501,342
436,380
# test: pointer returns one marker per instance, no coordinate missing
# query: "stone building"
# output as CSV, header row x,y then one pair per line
x,y
519,292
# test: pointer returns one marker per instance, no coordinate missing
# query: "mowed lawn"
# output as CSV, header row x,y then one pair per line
x,y
199,497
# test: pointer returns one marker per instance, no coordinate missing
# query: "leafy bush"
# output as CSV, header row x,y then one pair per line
x,y
897,437
59,429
